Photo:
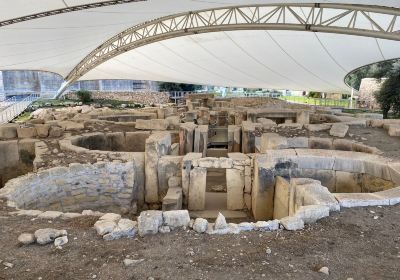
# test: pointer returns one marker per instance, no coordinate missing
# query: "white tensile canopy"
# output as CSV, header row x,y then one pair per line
x,y
240,55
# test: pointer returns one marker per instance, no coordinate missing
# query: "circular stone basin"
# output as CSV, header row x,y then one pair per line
x,y
107,187
115,141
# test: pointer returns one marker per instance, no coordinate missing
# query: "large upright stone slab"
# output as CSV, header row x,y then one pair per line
x,y
234,138
186,168
186,138
303,117
157,145
201,139
197,189
249,132
281,199
235,189
272,141
168,167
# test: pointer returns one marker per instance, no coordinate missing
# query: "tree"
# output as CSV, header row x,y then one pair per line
x,y
388,96
84,96
178,87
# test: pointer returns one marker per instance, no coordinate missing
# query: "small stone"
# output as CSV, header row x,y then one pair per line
x,y
111,217
131,262
60,241
267,226
50,215
200,225
376,217
104,226
8,264
26,238
220,222
47,235
324,270
191,223
268,251
164,229
292,223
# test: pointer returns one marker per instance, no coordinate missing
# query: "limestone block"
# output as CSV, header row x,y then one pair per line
x,y
213,162
339,130
157,145
394,170
103,227
267,226
186,168
55,131
239,159
116,141
175,182
272,141
393,195
125,228
136,141
197,188
317,127
320,143
245,226
394,130
234,138
200,225
312,213
176,218
303,117
42,130
48,235
173,199
9,153
315,159
8,131
249,132
266,123
342,144
153,124
292,223
50,215
377,167
247,200
149,222
297,142
175,149
111,217
173,122
235,189
26,132
220,222
281,198
201,139
26,238
71,126
186,138
326,177
169,167
360,199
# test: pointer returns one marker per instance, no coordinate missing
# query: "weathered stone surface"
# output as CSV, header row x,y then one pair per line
x,y
173,199
104,226
149,222
125,228
60,241
220,222
176,218
26,132
30,213
186,169
26,238
164,229
153,124
50,215
272,141
312,213
339,130
267,226
42,130
200,225
360,199
281,199
71,215
111,217
8,131
320,143
317,127
292,223
245,226
235,189
297,142
394,130
131,262
47,235
55,131
266,123
197,189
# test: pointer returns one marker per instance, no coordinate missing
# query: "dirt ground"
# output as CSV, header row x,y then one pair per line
x,y
352,244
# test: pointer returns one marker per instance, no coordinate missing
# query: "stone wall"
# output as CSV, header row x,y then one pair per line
x,y
74,188
339,171
16,158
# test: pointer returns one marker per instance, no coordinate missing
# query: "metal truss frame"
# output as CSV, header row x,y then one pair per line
x,y
66,10
359,20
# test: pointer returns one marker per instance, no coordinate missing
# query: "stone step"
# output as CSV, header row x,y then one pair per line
x,y
212,214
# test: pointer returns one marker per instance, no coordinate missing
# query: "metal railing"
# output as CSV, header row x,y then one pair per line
x,y
15,109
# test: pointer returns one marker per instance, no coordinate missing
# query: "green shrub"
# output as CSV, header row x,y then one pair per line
x,y
84,96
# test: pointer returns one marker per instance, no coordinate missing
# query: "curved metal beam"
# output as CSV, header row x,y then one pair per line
x,y
328,18
66,10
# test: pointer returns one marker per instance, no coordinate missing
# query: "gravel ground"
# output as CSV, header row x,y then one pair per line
x,y
352,244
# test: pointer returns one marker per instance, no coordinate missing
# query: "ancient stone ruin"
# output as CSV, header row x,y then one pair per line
x,y
264,162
